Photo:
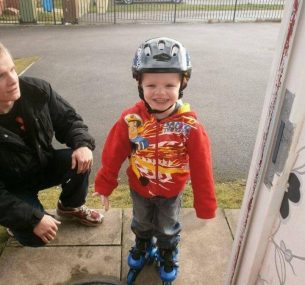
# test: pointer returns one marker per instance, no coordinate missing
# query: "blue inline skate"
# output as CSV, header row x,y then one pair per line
x,y
167,261
144,252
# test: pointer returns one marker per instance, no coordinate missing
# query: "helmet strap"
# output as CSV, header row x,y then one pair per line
x,y
183,84
180,93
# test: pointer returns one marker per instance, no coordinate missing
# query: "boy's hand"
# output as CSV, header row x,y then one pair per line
x,y
104,200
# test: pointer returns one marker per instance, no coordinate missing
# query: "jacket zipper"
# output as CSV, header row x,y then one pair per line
x,y
157,152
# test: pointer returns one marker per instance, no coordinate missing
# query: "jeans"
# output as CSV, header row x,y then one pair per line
x,y
74,190
157,217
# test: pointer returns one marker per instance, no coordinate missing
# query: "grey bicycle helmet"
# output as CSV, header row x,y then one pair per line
x,y
161,55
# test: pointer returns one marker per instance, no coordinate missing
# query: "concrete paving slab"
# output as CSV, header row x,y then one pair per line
x,y
205,250
90,254
72,233
232,216
58,265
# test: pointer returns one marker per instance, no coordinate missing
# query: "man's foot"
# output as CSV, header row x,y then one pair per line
x,y
83,214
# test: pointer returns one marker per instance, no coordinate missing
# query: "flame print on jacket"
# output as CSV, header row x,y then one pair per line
x,y
159,150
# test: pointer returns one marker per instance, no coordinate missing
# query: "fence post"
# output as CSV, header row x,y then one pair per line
x,y
54,16
1,6
70,11
114,6
234,10
175,12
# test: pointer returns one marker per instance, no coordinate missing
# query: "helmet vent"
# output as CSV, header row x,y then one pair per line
x,y
147,51
161,45
175,50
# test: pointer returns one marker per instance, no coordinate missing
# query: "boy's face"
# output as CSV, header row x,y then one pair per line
x,y
161,90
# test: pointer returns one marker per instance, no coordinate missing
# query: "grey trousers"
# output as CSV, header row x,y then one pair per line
x,y
157,217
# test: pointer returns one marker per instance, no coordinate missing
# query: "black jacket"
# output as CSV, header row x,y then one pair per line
x,y
45,114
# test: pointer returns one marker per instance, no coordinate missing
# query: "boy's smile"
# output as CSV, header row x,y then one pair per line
x,y
161,91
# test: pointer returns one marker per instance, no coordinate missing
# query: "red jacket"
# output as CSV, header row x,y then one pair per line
x,y
162,156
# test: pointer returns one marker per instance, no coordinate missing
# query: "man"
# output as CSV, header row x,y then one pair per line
x,y
31,112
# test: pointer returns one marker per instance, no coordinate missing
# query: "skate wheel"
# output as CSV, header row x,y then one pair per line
x,y
131,276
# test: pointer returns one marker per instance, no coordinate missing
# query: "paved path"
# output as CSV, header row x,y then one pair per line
x,y
80,254
91,67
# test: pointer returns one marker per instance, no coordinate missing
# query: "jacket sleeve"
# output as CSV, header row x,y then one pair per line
x,y
201,172
68,125
16,214
116,149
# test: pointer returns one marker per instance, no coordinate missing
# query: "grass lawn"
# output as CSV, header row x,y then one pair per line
x,y
23,63
229,196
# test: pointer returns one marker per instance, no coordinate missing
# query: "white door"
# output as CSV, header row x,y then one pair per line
x,y
269,247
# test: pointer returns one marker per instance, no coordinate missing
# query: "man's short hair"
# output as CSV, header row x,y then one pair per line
x,y
4,50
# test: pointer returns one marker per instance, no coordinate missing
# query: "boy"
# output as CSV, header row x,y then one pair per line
x,y
165,145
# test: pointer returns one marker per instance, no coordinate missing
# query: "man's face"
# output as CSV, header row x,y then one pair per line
x,y
9,83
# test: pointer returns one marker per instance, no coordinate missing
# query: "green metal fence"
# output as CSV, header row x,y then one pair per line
x,y
138,11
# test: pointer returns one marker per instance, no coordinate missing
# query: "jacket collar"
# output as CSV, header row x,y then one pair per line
x,y
31,94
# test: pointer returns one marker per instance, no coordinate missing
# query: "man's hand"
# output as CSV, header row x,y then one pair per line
x,y
82,159
104,200
47,228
